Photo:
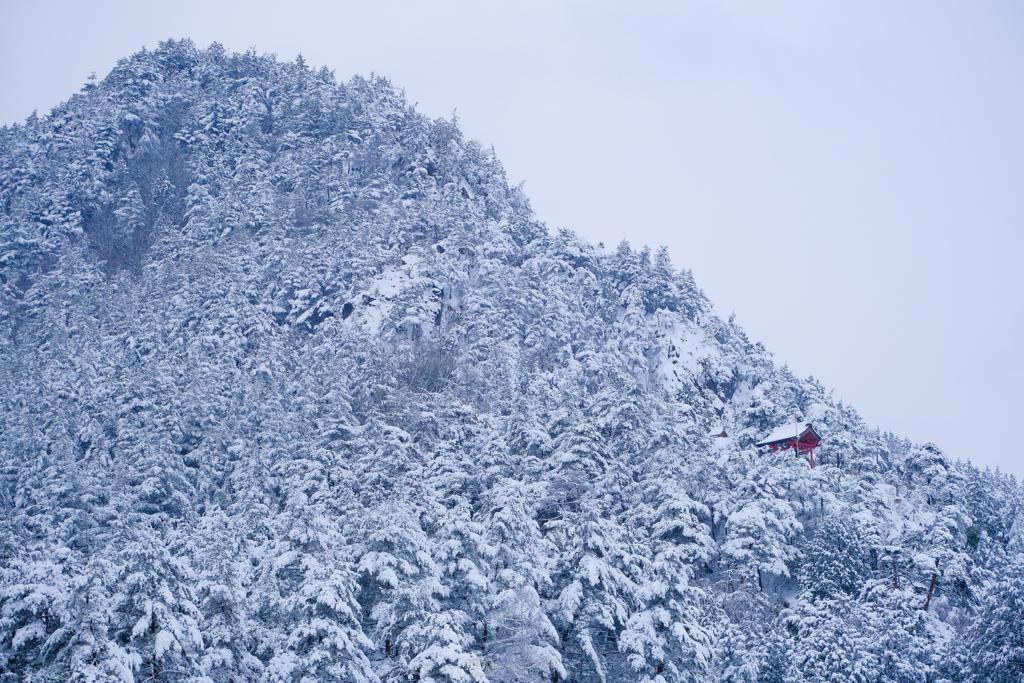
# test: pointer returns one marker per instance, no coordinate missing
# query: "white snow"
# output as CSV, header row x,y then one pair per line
x,y
784,432
376,302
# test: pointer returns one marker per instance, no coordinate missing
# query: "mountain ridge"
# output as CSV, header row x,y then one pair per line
x,y
297,388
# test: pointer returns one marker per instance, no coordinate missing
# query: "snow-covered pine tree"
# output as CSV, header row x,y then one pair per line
x,y
993,647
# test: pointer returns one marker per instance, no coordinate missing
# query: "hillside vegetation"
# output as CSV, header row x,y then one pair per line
x,y
295,387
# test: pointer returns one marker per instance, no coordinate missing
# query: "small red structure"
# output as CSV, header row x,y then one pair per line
x,y
720,435
800,436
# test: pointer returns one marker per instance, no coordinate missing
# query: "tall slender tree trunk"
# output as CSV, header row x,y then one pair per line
x,y
931,586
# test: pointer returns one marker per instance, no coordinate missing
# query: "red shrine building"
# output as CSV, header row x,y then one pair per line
x,y
800,436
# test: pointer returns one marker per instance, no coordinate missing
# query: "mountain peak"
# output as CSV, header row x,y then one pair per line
x,y
296,386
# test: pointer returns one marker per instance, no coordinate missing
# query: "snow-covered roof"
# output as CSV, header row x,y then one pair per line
x,y
784,432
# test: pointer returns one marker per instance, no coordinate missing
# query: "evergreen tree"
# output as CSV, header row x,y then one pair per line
x,y
993,647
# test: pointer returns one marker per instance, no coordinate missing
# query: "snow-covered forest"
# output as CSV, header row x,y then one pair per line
x,y
297,388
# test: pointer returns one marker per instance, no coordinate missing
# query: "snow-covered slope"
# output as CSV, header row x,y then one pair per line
x,y
295,387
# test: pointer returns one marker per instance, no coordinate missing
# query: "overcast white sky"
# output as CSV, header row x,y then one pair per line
x,y
847,177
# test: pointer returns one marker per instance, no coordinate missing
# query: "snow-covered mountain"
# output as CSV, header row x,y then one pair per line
x,y
295,387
